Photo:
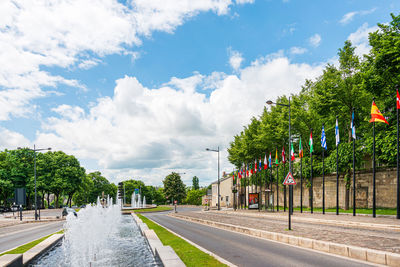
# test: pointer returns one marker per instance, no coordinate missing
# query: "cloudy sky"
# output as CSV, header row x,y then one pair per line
x,y
138,89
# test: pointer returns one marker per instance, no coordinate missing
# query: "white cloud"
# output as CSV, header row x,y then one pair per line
x,y
235,59
149,132
295,50
69,33
315,40
360,39
241,2
350,16
12,140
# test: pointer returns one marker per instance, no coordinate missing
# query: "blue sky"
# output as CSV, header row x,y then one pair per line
x,y
137,89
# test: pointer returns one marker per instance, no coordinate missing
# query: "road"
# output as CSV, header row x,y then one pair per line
x,y
17,235
243,250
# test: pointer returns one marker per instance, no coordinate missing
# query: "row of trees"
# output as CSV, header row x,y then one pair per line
x,y
61,175
351,84
57,173
175,189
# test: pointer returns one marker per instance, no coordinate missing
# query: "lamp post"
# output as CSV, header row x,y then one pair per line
x,y
216,150
269,102
34,168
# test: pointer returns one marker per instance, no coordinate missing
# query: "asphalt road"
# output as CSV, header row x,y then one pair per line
x,y
243,250
17,235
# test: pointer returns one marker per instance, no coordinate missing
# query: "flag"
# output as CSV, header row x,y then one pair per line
x,y
398,100
255,166
260,165
247,170
283,154
337,133
323,139
251,168
240,173
276,157
300,149
376,115
353,127
270,160
311,144
233,176
292,153
265,162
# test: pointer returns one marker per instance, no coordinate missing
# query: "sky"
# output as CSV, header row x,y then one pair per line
x,y
138,89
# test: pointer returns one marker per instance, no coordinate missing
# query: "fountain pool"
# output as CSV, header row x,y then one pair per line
x,y
99,237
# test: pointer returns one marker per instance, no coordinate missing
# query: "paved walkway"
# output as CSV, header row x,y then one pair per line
x,y
362,231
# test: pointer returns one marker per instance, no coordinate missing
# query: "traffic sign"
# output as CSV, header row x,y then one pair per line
x,y
289,180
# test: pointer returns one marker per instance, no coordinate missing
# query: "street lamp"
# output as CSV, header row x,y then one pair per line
x,y
34,156
269,102
216,150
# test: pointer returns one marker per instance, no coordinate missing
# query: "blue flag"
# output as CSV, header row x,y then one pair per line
x,y
337,133
353,127
323,139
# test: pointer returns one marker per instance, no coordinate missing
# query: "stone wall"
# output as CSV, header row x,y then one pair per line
x,y
385,190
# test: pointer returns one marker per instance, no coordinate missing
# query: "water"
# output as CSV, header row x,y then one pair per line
x,y
136,201
100,237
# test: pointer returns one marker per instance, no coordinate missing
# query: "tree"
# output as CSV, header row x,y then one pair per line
x,y
195,182
194,197
174,189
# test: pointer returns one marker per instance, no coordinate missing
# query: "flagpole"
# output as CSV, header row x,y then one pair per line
x,y
337,174
277,188
301,184
284,189
373,174
323,178
245,185
311,180
398,174
354,167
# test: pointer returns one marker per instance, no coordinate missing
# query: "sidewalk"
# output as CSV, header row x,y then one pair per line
x,y
360,231
7,219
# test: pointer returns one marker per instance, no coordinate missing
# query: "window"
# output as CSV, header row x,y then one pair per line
x,y
227,198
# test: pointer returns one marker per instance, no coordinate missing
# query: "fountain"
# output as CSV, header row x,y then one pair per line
x,y
136,202
100,236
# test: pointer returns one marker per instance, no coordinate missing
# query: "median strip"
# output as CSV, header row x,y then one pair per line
x,y
189,254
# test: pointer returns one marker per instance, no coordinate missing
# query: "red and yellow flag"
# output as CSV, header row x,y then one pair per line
x,y
376,115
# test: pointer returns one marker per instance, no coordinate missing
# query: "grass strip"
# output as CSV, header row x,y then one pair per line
x,y
381,211
28,246
188,253
147,210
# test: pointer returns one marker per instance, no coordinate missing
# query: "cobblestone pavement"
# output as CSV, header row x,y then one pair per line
x,y
387,239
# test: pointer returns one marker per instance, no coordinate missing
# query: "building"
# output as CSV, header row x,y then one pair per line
x,y
226,195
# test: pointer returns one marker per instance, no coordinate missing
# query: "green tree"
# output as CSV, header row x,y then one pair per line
x,y
195,182
174,189
194,197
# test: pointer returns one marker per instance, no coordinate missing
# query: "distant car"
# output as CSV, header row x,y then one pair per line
x,y
51,207
67,211
74,207
82,206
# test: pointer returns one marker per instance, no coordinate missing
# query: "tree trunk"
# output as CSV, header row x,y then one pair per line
x,y
56,201
284,197
309,197
48,199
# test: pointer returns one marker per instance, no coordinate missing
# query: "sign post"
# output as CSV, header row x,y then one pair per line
x,y
289,180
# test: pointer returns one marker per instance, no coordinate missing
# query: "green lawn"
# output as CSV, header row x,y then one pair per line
x,y
151,210
189,254
28,246
381,211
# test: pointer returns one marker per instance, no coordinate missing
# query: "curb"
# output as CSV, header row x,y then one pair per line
x,y
25,258
166,254
358,253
